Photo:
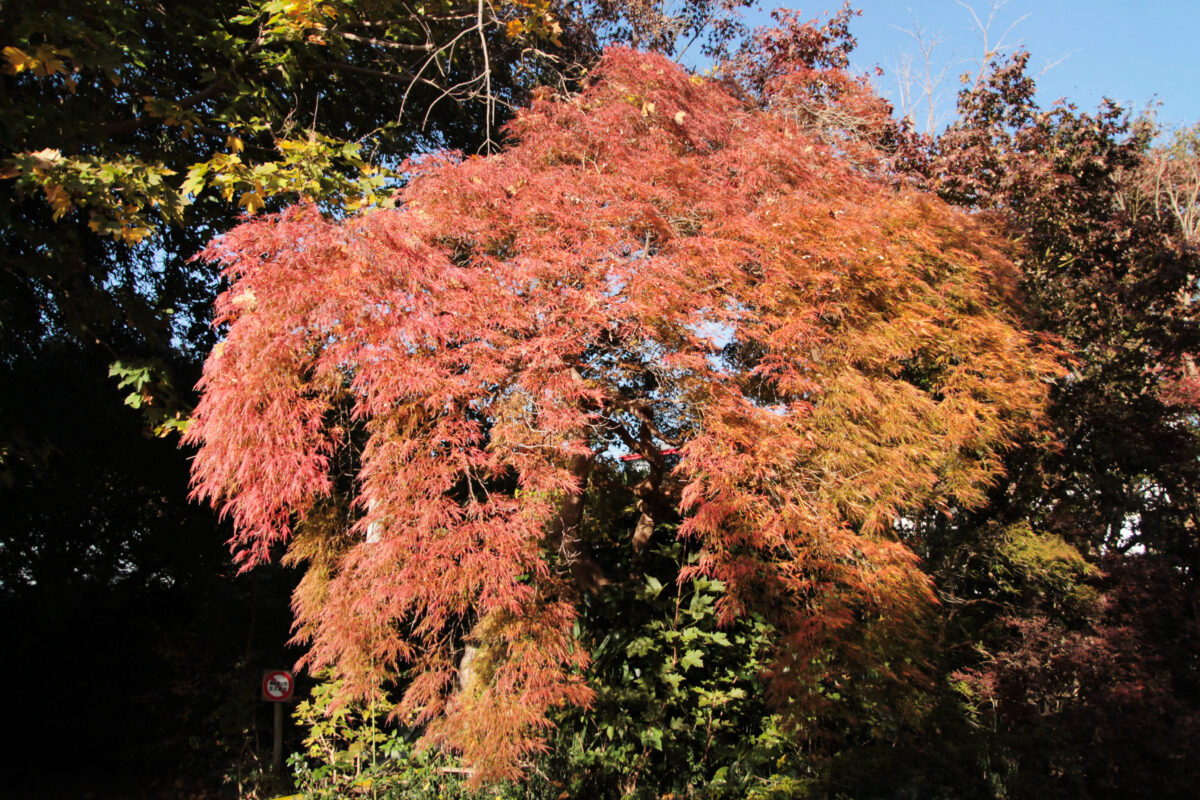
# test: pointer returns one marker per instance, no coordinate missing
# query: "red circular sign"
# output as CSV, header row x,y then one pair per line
x,y
277,685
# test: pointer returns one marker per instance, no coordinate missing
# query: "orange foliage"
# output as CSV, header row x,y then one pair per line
x,y
801,353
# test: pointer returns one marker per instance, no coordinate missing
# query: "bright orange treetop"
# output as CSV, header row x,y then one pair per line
x,y
800,353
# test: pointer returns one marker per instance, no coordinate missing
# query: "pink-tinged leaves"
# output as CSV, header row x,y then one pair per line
x,y
415,398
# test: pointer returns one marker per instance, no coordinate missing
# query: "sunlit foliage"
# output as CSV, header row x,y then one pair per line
x,y
799,352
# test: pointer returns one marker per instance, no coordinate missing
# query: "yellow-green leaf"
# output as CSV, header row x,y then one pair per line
x,y
252,202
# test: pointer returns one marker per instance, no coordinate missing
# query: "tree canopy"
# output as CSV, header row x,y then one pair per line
x,y
1099,529
644,434
134,132
798,353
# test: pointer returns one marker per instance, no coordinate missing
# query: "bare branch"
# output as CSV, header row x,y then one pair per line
x,y
488,97
1049,65
923,78
990,49
417,48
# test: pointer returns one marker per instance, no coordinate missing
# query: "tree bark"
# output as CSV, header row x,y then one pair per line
x,y
565,535
644,529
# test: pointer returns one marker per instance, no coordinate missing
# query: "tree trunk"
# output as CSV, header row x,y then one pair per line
x,y
565,535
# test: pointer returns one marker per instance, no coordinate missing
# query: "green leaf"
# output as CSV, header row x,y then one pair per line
x,y
652,737
194,184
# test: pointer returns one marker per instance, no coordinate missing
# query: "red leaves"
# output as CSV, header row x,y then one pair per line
x,y
651,269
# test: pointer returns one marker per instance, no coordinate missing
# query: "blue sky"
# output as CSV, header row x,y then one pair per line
x,y
1135,53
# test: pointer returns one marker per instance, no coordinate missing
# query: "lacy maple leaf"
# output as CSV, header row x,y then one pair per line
x,y
799,351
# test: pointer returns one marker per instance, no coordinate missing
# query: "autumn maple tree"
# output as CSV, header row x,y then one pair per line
x,y
796,352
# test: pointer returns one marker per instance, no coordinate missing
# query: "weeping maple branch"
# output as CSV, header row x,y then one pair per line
x,y
458,319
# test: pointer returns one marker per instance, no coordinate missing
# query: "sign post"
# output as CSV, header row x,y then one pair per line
x,y
278,686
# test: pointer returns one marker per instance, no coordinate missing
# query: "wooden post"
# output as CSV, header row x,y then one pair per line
x,y
278,686
277,753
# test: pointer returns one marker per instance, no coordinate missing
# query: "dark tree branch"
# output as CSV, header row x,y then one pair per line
x,y
565,535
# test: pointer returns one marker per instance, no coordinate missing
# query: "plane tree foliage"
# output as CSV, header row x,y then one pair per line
x,y
797,352
134,131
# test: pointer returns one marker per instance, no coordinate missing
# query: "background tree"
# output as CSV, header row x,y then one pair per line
x,y
1168,183
1115,284
1056,672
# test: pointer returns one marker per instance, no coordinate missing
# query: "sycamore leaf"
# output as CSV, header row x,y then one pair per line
x,y
49,58
194,183
18,60
47,158
252,202
59,199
